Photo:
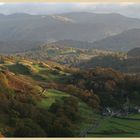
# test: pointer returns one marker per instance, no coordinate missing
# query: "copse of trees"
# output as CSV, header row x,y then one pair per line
x,y
31,121
132,86
106,87
28,128
67,112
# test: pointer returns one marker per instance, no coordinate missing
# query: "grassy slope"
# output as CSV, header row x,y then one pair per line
x,y
35,71
127,127
115,127
86,112
50,96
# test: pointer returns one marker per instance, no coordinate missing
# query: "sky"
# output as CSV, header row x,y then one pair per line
x,y
127,9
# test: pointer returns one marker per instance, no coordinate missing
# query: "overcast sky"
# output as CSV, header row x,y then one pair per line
x,y
127,9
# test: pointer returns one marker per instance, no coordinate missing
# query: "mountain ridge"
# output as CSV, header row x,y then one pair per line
x,y
86,27
124,41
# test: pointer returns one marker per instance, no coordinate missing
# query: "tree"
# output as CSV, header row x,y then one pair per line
x,y
45,120
62,127
28,128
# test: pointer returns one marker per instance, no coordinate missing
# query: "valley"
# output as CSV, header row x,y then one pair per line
x,y
73,74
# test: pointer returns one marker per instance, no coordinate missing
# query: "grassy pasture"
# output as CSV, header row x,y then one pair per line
x,y
116,127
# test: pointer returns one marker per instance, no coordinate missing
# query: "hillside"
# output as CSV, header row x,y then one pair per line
x,y
75,44
108,61
64,52
17,46
124,41
134,53
82,58
117,62
43,95
29,90
77,26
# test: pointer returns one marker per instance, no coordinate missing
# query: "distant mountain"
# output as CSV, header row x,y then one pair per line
x,y
134,53
72,26
21,32
124,41
8,47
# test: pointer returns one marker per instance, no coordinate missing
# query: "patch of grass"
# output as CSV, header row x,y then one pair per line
x,y
39,67
51,96
134,116
48,76
116,127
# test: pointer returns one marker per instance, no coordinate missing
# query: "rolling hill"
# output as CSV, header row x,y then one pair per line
x,y
120,63
48,99
64,52
75,44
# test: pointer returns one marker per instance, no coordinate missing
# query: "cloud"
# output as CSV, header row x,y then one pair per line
x,y
127,3
126,8
2,3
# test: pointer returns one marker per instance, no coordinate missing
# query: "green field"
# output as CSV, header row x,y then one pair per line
x,y
116,127
134,116
51,96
